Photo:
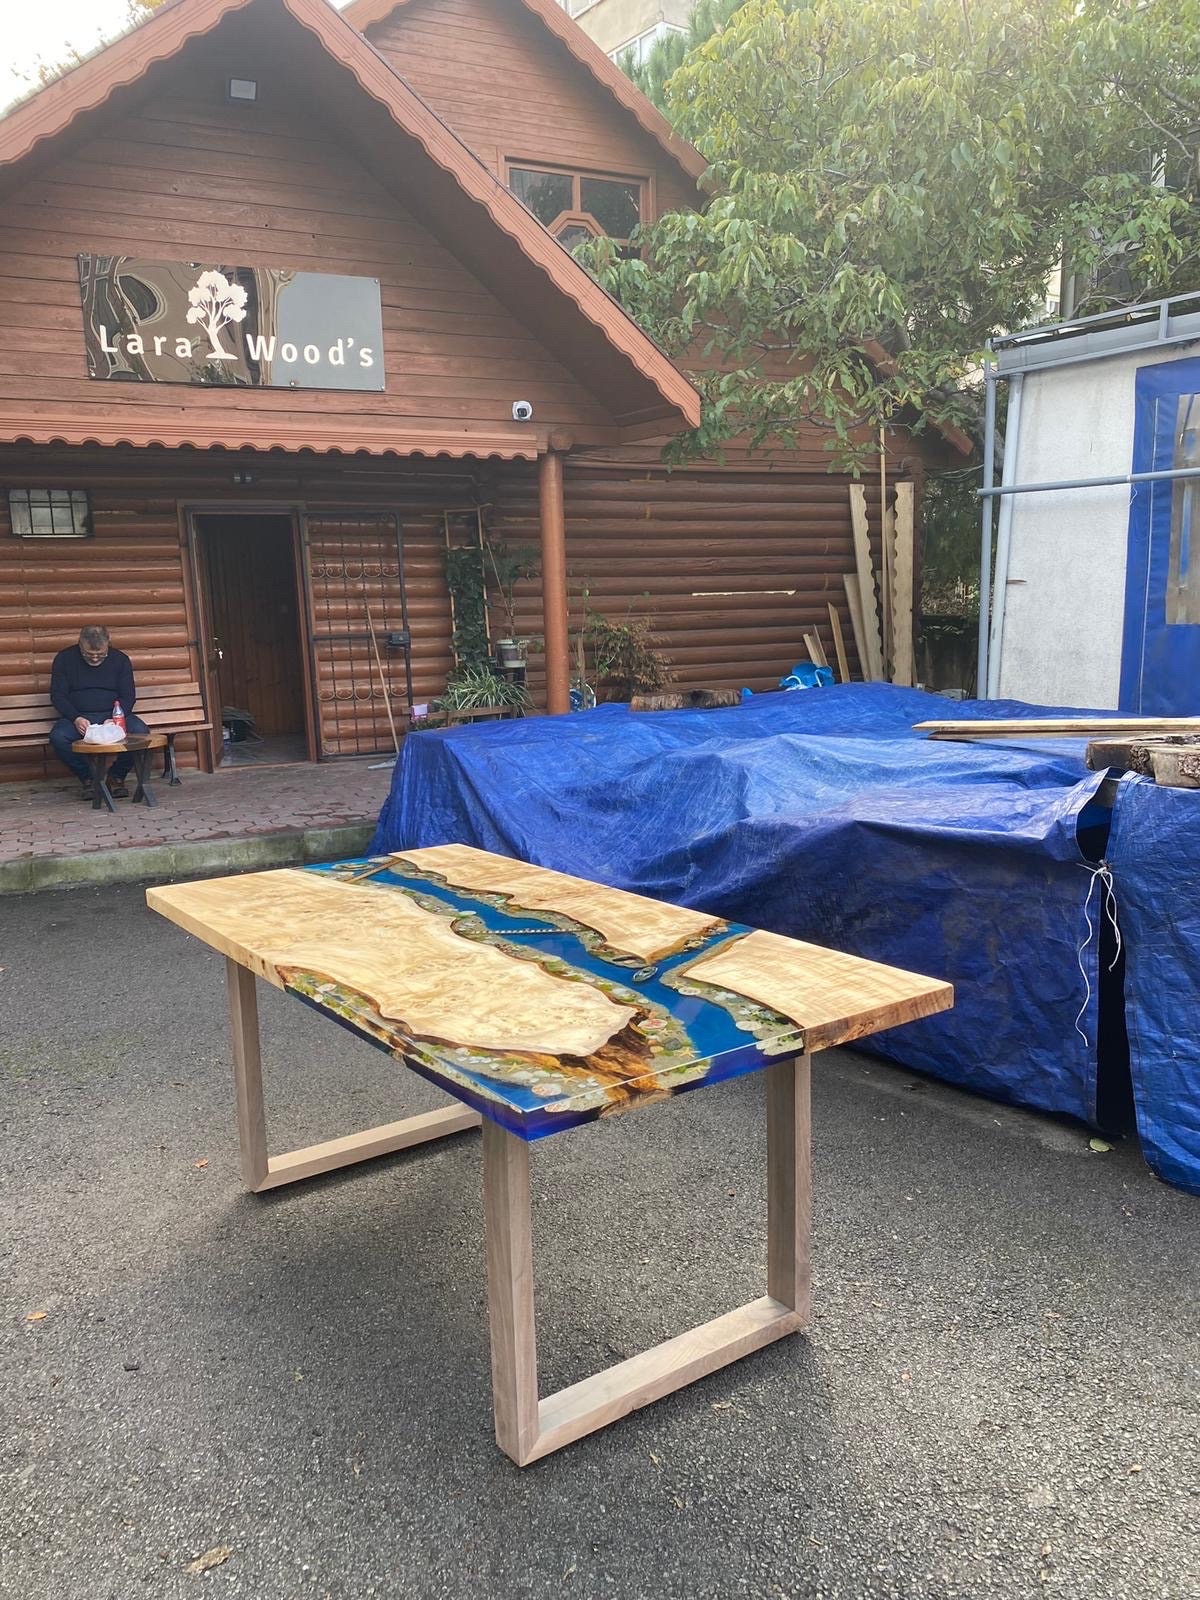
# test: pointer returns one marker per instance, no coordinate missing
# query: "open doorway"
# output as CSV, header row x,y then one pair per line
x,y
246,572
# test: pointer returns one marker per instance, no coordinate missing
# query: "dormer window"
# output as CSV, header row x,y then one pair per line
x,y
575,206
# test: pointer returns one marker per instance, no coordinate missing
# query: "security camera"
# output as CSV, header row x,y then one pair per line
x,y
522,411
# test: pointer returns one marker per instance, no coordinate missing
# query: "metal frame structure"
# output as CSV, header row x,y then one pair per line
x,y
1154,325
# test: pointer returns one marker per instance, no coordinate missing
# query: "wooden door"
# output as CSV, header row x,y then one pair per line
x,y
255,621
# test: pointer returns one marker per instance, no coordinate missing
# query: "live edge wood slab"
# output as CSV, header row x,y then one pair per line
x,y
541,1002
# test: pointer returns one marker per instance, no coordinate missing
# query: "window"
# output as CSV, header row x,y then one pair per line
x,y
50,513
576,206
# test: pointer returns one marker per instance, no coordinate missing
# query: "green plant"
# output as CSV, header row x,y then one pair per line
x,y
475,686
508,568
893,182
626,660
465,581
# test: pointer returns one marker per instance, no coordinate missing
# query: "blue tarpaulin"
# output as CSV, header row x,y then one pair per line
x,y
1154,850
820,814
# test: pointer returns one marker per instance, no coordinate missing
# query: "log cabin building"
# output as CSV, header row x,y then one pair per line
x,y
286,299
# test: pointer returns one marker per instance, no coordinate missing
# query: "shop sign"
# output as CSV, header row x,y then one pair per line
x,y
209,323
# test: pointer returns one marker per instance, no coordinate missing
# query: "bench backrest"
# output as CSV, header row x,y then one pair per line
x,y
169,707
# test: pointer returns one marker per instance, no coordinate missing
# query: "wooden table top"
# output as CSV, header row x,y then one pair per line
x,y
135,742
541,999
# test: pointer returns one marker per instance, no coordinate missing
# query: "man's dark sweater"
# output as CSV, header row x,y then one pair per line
x,y
80,690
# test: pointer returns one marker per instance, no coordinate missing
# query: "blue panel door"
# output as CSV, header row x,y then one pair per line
x,y
1160,655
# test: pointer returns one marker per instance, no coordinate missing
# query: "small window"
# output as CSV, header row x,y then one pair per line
x,y
546,194
576,206
615,204
50,513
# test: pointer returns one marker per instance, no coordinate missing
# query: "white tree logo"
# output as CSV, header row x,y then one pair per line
x,y
215,302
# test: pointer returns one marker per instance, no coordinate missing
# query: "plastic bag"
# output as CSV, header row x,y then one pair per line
x,y
104,733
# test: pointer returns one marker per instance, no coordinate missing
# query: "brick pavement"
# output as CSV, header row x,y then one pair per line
x,y
48,819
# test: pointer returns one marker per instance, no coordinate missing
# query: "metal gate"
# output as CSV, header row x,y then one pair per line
x,y
359,640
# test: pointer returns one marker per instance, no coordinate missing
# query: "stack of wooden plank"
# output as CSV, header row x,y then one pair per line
x,y
1164,748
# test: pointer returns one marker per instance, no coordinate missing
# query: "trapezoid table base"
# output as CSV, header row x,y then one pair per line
x,y
261,1171
529,1428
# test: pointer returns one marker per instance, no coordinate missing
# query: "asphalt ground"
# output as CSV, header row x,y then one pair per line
x,y
997,1397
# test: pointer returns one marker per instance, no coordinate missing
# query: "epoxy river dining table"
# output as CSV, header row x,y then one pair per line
x,y
541,1002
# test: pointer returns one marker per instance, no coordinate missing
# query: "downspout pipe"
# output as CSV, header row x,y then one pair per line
x,y
1012,441
986,521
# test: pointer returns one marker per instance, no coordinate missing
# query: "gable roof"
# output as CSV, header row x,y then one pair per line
x,y
587,53
471,212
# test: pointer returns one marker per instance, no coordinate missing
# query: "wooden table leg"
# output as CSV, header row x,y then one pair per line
x,y
261,1171
528,1428
141,769
509,1238
100,795
789,1184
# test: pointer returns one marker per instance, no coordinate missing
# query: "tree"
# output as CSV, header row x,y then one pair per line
x,y
894,181
43,72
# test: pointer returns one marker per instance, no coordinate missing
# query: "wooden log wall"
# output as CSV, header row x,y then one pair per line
x,y
731,568
134,573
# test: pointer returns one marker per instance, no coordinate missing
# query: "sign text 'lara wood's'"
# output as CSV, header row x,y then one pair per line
x,y
254,327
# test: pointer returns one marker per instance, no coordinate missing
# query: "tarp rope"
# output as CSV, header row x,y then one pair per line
x,y
1108,906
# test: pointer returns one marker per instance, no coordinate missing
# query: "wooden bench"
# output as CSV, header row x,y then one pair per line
x,y
170,708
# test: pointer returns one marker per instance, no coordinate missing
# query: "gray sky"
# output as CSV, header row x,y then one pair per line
x,y
33,30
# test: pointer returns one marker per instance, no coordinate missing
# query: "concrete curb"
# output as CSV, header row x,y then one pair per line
x,y
195,858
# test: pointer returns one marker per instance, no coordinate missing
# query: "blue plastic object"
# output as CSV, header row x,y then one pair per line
x,y
825,817
1153,851
807,675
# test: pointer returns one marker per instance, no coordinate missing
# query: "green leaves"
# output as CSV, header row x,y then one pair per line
x,y
910,171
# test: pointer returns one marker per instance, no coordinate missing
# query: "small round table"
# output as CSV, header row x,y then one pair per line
x,y
100,756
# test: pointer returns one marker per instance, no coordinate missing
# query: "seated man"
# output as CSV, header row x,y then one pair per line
x,y
85,682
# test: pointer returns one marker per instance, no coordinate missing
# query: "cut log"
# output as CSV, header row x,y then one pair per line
x,y
1176,766
686,700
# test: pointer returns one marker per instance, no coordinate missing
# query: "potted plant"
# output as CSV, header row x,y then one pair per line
x,y
479,689
626,660
508,568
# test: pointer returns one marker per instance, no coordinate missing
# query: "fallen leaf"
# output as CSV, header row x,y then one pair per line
x,y
203,1163
1100,1146
36,1316
217,1556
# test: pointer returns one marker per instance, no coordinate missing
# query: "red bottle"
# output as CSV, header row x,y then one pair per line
x,y
118,716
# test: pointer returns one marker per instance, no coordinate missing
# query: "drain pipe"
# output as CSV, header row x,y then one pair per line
x,y
1012,439
986,521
